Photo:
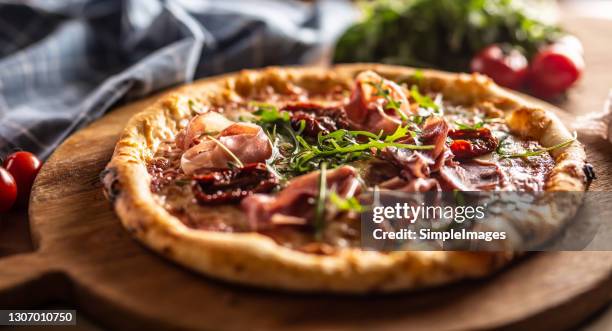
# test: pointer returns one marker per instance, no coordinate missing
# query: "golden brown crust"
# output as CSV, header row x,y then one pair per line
x,y
251,258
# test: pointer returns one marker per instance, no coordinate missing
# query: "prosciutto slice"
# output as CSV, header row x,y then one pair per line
x,y
208,123
471,176
368,108
414,185
294,204
421,164
213,141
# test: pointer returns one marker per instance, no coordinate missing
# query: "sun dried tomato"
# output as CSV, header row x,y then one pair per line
x,y
471,143
316,118
217,186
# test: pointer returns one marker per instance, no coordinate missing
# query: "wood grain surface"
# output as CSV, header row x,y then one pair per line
x,y
83,256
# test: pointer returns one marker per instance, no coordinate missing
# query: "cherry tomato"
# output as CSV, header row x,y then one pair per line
x,y
505,65
472,143
24,167
554,69
8,190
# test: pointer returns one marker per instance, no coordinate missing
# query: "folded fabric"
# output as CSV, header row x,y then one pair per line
x,y
65,63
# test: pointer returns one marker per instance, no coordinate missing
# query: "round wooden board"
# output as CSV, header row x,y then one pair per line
x,y
84,256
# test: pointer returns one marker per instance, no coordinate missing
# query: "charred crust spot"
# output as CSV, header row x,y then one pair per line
x,y
110,184
589,172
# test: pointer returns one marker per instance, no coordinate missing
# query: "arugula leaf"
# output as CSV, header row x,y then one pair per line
x,y
541,151
390,102
350,204
343,146
423,100
400,132
269,113
418,75
465,126
294,154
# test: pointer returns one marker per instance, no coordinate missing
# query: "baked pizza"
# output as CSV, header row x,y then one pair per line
x,y
256,177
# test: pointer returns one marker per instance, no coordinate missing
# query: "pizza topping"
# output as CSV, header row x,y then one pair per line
x,y
377,104
311,119
295,205
471,176
536,151
205,124
272,165
296,154
414,185
237,144
420,164
215,186
470,143
589,172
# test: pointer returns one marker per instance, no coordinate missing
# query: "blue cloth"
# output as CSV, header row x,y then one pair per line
x,y
65,63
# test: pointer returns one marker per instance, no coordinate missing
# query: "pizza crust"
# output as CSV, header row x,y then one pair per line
x,y
254,259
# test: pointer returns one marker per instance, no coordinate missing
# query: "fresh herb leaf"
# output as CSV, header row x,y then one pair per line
x,y
502,143
423,101
400,132
269,113
459,197
391,103
461,29
418,76
341,147
464,126
350,204
541,151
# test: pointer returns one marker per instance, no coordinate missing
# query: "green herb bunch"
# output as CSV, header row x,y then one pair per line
x,y
439,33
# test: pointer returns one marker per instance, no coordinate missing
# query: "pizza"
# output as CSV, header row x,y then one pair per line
x,y
255,177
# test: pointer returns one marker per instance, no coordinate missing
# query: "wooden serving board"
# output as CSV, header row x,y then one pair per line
x,y
84,256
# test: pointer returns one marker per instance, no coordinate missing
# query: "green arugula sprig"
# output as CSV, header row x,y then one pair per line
x,y
391,103
473,127
350,204
295,155
538,151
423,101
344,146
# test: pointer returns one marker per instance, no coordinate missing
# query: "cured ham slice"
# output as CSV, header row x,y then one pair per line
x,y
471,176
220,142
208,123
414,185
421,164
294,205
369,109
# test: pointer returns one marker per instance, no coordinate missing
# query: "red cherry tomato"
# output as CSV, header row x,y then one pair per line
x,y
24,167
554,69
505,65
8,190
